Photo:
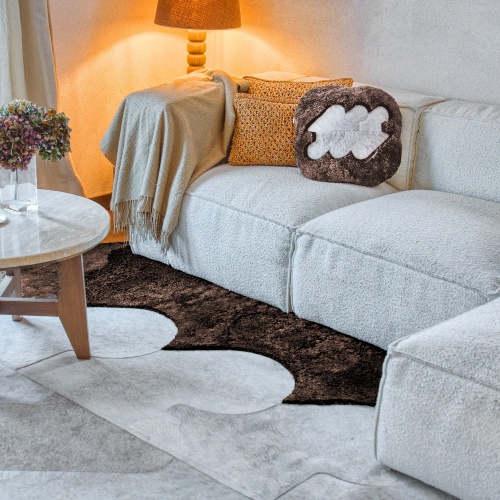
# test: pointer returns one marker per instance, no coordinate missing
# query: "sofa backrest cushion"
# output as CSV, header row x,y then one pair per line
x,y
458,150
411,106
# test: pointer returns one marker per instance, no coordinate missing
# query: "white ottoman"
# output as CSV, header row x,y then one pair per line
x,y
438,411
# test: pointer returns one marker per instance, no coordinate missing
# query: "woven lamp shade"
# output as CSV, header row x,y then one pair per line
x,y
199,14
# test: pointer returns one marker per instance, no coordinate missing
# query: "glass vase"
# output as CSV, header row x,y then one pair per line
x,y
18,189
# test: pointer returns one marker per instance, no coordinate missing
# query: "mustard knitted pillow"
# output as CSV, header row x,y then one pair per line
x,y
280,90
264,129
263,132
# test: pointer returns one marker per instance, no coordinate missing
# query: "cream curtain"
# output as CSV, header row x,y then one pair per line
x,y
27,71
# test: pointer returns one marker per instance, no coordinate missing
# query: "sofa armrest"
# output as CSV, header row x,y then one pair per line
x,y
438,410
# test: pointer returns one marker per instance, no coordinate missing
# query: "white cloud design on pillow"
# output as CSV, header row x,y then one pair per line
x,y
357,131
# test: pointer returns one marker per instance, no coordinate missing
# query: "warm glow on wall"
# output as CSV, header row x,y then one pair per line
x,y
91,96
104,51
242,52
198,16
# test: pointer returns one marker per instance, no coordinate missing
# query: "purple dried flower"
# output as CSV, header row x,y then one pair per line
x,y
26,129
18,142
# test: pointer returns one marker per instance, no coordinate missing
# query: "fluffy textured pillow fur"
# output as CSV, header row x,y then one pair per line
x,y
350,135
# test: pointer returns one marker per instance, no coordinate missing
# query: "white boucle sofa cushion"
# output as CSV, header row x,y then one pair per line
x,y
459,150
438,411
388,267
236,225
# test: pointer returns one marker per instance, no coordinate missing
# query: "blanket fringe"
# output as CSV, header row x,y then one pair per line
x,y
139,221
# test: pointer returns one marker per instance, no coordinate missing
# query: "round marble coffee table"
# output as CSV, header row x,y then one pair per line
x,y
64,227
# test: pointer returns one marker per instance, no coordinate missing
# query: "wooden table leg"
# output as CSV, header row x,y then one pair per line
x,y
73,305
17,292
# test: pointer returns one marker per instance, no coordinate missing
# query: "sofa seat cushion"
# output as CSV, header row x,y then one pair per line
x,y
392,266
441,392
236,225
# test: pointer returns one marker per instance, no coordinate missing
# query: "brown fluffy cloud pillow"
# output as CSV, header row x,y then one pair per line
x,y
350,135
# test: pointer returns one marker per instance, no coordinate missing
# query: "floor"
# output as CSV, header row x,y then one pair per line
x,y
138,422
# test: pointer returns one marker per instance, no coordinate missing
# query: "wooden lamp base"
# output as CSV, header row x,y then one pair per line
x,y
196,50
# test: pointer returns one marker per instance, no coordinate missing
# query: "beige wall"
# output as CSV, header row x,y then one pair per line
x,y
106,49
438,47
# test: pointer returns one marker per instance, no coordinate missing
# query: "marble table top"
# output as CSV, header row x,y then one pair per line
x,y
65,225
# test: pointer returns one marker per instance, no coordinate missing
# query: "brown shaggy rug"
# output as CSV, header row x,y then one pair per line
x,y
329,367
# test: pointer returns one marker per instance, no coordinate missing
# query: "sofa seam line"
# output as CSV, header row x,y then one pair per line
x,y
483,295
378,408
430,112
416,129
242,211
416,107
394,353
413,152
291,264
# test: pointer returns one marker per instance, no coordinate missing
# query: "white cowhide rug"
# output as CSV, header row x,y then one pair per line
x,y
140,423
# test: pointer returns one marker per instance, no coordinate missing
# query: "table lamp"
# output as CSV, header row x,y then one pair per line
x,y
198,16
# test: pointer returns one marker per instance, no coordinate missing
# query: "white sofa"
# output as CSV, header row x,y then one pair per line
x,y
382,264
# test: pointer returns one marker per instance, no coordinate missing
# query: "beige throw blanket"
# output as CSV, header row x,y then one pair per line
x,y
160,140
